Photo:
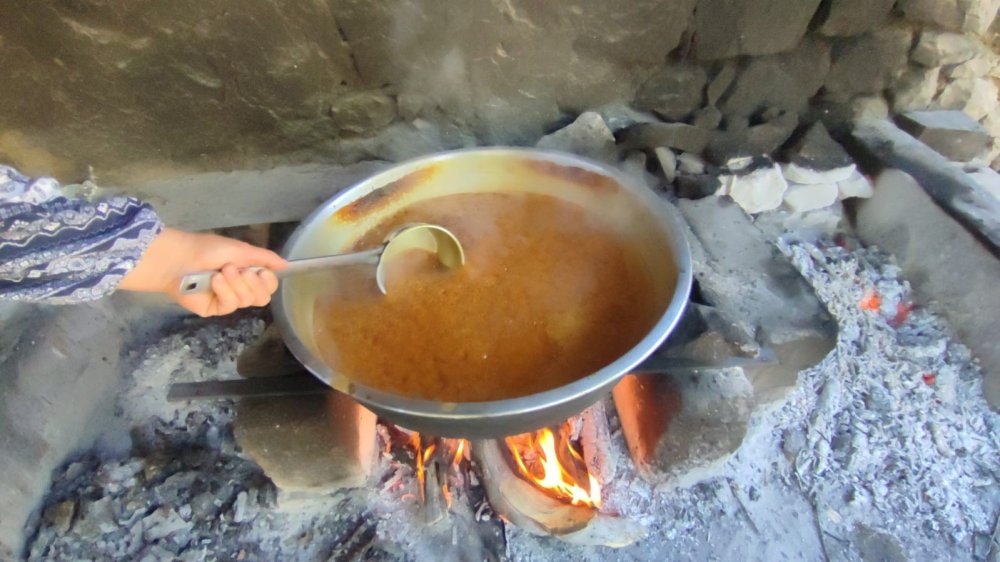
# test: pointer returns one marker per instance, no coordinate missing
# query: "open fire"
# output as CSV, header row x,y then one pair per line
x,y
554,465
436,449
548,460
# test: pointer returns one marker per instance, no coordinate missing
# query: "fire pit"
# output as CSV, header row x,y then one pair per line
x,y
830,392
792,431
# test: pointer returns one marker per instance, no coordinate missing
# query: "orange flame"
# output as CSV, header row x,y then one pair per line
x,y
539,450
424,455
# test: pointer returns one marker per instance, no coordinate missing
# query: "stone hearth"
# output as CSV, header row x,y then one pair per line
x,y
834,162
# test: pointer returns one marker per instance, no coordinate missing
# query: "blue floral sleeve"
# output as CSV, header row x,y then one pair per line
x,y
59,250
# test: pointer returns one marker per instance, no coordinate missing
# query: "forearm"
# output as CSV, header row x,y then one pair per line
x,y
59,251
65,251
162,263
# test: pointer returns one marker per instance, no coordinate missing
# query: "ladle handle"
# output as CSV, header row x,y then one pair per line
x,y
201,282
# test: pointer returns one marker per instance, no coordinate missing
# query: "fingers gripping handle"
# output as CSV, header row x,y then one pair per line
x,y
201,282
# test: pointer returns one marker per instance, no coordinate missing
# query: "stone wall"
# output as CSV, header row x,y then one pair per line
x,y
127,90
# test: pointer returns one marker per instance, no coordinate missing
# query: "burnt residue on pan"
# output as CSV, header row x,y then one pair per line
x,y
380,198
599,183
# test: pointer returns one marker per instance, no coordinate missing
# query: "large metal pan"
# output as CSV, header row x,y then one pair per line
x,y
335,226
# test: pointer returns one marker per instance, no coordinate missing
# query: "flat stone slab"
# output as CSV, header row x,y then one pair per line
x,y
957,193
952,133
282,194
315,444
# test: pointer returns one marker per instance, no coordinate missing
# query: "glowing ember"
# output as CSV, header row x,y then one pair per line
x,y
563,475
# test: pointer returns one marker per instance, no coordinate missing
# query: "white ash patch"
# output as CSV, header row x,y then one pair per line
x,y
179,489
897,435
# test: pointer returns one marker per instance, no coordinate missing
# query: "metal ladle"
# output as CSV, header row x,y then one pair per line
x,y
417,236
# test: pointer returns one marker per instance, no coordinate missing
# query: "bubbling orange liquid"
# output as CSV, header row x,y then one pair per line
x,y
548,295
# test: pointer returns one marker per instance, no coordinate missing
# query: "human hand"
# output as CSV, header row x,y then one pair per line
x,y
174,254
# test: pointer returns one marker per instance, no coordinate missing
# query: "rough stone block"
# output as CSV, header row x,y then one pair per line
x,y
868,63
937,48
986,63
953,134
975,96
308,445
948,267
751,141
915,89
948,184
708,118
817,150
674,92
588,136
729,28
782,82
956,15
203,79
673,135
852,17
746,279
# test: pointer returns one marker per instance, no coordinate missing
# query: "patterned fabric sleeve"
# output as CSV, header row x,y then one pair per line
x,y
58,250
